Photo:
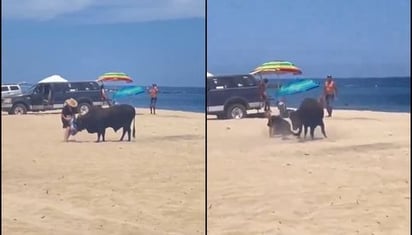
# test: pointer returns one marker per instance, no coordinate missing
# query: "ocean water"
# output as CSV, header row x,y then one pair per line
x,y
375,94
390,94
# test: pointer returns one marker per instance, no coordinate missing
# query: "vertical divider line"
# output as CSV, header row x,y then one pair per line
x,y
205,79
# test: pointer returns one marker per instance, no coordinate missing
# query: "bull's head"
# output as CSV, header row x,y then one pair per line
x,y
87,120
80,122
295,119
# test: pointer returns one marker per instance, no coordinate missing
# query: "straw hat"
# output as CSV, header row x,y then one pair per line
x,y
71,102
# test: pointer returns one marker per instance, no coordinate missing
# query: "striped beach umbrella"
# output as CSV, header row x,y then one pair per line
x,y
278,68
114,76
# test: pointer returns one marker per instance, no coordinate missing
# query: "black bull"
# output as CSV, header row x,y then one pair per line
x,y
309,114
116,117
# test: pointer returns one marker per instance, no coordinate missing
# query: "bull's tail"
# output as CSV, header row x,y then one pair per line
x,y
293,133
134,130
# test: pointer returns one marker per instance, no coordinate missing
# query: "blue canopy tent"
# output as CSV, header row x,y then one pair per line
x,y
296,86
128,91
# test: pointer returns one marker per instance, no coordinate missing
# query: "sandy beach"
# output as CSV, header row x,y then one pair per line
x,y
357,181
152,185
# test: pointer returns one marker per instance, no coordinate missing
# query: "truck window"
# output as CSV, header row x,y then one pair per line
x,y
72,87
84,86
249,81
75,87
38,89
60,87
14,88
211,84
236,82
4,88
93,86
244,81
222,83
240,81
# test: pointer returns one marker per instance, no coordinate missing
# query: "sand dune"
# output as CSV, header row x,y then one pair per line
x,y
354,182
152,185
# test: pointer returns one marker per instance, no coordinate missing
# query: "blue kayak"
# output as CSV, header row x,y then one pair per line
x,y
297,86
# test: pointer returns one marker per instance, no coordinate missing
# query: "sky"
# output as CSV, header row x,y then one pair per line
x,y
160,41
352,38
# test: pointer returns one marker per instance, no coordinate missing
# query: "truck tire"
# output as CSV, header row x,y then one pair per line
x,y
83,108
18,109
236,111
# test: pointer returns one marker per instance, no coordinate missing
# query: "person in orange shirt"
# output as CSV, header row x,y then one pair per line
x,y
330,93
153,98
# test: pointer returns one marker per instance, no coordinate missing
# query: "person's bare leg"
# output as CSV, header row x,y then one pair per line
x,y
328,106
66,134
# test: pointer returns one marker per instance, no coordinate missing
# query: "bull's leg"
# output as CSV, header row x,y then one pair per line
x,y
322,126
103,134
124,132
128,130
312,132
98,137
305,132
299,132
129,133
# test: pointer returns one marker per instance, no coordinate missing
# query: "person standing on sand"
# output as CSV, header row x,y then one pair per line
x,y
153,90
104,95
263,94
330,93
67,116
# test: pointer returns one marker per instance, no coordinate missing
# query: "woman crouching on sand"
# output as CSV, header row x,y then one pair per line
x,y
68,112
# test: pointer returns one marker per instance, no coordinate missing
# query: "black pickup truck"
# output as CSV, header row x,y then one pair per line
x,y
231,96
51,96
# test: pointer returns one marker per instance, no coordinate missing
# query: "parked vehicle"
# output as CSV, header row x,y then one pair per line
x,y
51,96
10,90
232,95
